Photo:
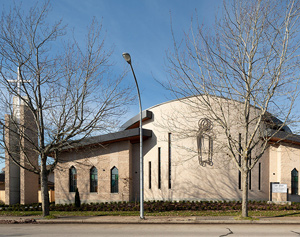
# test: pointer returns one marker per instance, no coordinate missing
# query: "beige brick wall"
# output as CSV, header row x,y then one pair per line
x,y
190,180
29,181
104,159
12,171
283,159
21,186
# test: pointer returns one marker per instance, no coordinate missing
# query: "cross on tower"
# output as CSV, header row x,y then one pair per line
x,y
18,82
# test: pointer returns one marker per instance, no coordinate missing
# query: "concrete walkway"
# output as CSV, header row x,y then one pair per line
x,y
147,220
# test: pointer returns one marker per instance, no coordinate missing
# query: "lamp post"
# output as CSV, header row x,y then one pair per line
x,y
127,57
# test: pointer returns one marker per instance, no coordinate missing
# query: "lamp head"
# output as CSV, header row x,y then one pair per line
x,y
127,57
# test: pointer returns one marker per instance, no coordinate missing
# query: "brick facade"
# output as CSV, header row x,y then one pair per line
x,y
104,158
21,186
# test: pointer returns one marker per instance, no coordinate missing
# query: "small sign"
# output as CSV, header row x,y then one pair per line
x,y
279,188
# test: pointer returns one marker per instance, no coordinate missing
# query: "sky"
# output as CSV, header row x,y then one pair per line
x,y
140,27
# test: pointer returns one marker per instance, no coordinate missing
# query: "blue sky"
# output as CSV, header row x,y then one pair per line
x,y
139,27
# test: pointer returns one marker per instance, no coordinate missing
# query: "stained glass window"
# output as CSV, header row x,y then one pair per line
x,y
114,180
73,179
93,179
294,182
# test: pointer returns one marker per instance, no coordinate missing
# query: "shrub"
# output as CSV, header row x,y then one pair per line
x,y
154,206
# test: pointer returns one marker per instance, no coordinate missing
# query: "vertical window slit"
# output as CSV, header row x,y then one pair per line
x,y
259,176
149,174
169,159
240,150
250,172
159,169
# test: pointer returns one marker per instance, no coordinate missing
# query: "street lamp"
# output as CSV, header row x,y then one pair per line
x,y
127,57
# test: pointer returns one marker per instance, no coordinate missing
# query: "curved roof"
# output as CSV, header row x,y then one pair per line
x,y
134,122
273,122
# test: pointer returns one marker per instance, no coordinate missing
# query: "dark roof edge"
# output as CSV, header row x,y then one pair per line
x,y
111,137
146,114
285,136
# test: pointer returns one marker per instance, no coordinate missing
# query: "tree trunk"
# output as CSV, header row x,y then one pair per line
x,y
44,189
245,174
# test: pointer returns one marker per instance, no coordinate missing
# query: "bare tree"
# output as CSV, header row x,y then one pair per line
x,y
247,65
68,88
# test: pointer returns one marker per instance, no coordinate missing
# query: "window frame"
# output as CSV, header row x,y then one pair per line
x,y
294,181
114,188
72,179
93,180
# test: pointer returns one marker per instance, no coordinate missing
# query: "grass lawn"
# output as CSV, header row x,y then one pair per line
x,y
294,213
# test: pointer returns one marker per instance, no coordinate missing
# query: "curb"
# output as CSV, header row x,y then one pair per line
x,y
148,221
167,223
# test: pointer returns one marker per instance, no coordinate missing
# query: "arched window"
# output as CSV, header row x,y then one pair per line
x,y
73,179
93,179
114,180
294,174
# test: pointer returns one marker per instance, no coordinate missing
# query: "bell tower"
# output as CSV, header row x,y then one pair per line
x,y
21,185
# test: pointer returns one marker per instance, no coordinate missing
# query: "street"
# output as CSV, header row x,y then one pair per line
x,y
148,230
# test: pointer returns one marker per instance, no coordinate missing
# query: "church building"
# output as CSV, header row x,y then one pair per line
x,y
106,168
180,163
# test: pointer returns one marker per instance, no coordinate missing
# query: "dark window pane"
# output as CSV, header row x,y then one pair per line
x,y
93,179
114,180
73,179
294,179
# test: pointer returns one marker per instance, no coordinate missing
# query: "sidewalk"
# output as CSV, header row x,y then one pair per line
x,y
147,220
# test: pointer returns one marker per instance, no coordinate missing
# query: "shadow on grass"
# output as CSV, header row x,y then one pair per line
x,y
288,214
